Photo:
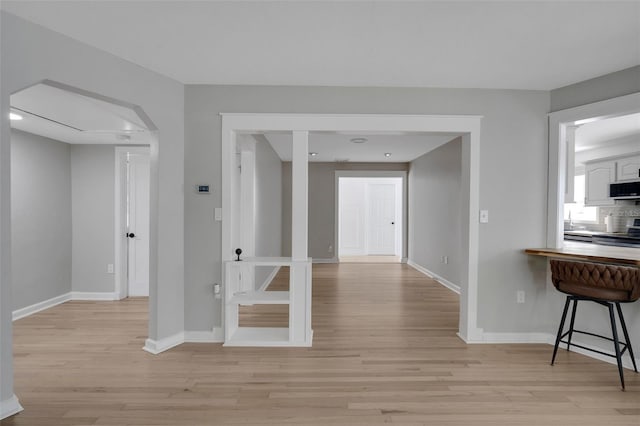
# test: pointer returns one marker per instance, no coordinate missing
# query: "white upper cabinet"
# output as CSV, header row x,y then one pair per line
x,y
598,177
628,169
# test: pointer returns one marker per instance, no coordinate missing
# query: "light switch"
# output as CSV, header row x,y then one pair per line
x,y
218,214
484,216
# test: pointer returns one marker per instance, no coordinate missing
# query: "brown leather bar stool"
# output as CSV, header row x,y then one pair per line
x,y
607,285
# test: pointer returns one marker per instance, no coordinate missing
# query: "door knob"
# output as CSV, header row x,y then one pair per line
x,y
131,235
393,223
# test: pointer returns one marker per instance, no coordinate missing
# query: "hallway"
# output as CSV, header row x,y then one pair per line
x,y
385,350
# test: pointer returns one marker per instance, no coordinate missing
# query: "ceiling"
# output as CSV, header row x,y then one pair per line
x,y
624,129
474,44
74,118
332,146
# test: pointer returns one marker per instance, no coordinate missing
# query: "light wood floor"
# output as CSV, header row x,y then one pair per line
x,y
385,351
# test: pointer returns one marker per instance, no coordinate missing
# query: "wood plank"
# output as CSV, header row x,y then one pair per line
x,y
385,352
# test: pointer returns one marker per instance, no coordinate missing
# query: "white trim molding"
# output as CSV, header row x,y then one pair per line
x,y
54,301
443,281
10,407
158,346
40,306
270,278
501,338
469,126
559,122
91,295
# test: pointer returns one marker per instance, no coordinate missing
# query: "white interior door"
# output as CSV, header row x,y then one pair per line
x,y
138,224
352,221
382,221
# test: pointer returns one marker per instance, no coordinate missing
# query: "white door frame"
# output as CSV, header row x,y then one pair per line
x,y
468,126
120,262
371,174
560,123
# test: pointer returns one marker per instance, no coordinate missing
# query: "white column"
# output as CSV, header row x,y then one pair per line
x,y
299,284
299,196
9,404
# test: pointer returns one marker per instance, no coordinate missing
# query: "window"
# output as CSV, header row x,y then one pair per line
x,y
577,211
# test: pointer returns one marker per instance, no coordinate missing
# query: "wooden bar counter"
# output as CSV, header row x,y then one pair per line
x,y
591,252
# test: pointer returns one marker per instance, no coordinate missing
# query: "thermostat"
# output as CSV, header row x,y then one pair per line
x,y
202,189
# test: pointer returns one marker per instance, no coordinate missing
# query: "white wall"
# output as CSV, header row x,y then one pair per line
x,y
41,211
93,207
435,217
30,54
513,156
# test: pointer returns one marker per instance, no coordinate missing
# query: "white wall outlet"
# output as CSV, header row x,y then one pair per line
x,y
218,214
216,288
330,249
520,296
445,259
484,216
110,268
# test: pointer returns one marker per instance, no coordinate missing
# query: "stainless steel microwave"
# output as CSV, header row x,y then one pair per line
x,y
624,190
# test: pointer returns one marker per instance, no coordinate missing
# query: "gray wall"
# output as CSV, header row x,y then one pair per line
x,y
268,205
322,193
608,86
513,156
93,211
435,217
30,54
41,213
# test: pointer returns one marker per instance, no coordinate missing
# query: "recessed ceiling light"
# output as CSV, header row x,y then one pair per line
x,y
14,116
358,140
313,154
387,154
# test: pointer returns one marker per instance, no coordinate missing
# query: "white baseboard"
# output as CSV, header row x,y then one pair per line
x,y
90,295
270,278
9,407
54,301
214,336
451,286
40,306
157,346
549,339
330,260
404,260
626,359
513,338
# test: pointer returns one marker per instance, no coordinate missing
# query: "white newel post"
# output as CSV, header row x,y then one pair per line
x,y
300,297
299,196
